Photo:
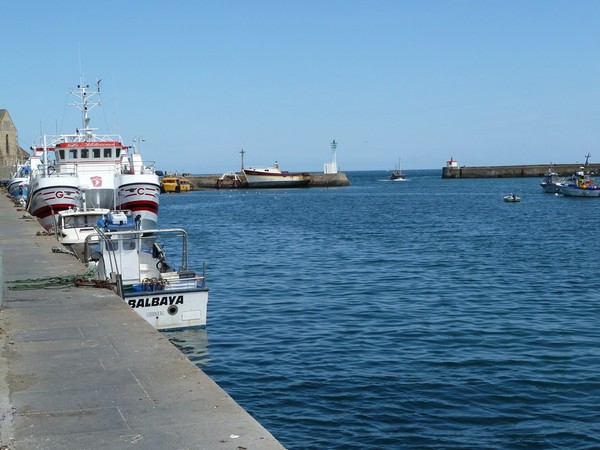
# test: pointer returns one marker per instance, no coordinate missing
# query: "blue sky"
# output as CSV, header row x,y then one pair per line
x,y
487,82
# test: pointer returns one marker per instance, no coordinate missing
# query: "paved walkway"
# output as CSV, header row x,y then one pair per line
x,y
79,369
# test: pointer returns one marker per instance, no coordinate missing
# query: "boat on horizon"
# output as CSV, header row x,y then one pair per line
x,y
397,174
273,177
98,167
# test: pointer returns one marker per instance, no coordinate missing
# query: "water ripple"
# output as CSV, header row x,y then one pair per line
x,y
427,314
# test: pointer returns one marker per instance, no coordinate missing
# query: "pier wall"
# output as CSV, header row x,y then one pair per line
x,y
316,180
521,171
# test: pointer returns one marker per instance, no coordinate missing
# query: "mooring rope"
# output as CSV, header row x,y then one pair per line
x,y
86,279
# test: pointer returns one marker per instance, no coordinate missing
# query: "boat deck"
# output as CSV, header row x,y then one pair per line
x,y
80,369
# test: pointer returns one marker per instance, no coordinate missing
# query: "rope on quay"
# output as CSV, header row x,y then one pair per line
x,y
86,279
56,249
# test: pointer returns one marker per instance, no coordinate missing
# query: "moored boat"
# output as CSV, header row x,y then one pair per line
x,y
109,174
166,295
174,183
273,177
18,185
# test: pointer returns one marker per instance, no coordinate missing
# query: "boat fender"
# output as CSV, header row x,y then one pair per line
x,y
172,310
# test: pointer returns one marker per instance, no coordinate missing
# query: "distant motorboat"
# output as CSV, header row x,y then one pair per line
x,y
511,198
272,177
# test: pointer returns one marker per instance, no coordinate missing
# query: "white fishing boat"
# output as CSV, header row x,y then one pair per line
x,y
111,175
73,226
580,184
273,177
166,295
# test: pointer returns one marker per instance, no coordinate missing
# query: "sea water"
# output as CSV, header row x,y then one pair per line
x,y
421,314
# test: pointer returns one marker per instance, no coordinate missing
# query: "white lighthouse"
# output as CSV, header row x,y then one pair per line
x,y
332,166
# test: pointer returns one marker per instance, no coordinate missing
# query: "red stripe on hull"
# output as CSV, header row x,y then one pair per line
x,y
46,211
141,206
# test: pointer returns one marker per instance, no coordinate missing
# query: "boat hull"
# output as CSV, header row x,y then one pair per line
x,y
550,188
551,183
50,195
18,187
139,193
575,191
170,309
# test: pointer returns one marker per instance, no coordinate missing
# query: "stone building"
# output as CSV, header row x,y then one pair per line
x,y
10,151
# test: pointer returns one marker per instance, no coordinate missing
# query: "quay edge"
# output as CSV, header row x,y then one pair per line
x,y
519,171
316,180
80,369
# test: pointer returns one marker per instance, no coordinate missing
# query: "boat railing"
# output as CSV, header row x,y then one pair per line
x,y
53,140
149,167
151,235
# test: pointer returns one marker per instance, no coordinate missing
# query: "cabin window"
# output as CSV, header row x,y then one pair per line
x,y
85,153
107,152
73,153
61,154
118,152
129,244
96,152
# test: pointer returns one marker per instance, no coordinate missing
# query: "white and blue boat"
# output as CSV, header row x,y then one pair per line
x,y
166,293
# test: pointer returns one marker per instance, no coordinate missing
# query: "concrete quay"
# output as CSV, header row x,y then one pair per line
x,y
79,369
521,171
316,180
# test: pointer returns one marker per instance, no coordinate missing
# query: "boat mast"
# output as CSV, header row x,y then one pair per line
x,y
85,105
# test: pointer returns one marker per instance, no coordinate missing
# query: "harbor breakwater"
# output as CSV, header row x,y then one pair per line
x,y
316,180
519,171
